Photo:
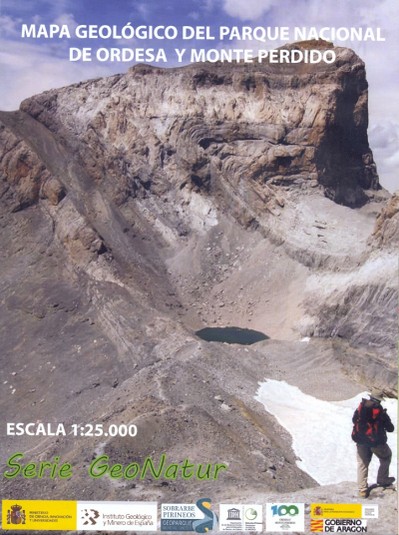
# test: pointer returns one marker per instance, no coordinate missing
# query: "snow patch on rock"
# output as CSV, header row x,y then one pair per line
x,y
321,431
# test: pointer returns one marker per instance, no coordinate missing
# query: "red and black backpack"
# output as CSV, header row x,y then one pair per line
x,y
368,426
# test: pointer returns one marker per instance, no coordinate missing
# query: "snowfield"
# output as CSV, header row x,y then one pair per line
x,y
321,431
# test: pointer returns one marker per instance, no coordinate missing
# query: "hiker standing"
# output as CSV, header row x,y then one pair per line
x,y
371,421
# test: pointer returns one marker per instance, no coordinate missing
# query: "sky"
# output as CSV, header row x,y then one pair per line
x,y
29,66
321,431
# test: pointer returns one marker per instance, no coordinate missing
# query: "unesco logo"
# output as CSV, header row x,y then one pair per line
x,y
285,510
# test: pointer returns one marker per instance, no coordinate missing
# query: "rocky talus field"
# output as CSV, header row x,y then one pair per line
x,y
140,208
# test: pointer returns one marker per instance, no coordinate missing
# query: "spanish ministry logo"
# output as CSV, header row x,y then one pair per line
x,y
16,515
196,517
55,515
343,510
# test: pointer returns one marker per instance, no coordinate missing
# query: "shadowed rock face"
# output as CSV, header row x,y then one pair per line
x,y
138,209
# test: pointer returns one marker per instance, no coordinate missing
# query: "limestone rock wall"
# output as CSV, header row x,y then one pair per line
x,y
201,125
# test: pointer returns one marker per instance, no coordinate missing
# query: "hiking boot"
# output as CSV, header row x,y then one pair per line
x,y
386,483
363,493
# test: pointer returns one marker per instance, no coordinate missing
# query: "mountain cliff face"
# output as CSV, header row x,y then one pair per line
x,y
138,208
204,125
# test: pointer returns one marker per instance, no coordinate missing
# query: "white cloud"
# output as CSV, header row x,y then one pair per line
x,y
142,9
384,140
248,9
68,19
14,6
385,136
37,19
209,5
32,68
10,27
22,6
195,15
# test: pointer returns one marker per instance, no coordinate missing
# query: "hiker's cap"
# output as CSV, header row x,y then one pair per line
x,y
378,395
